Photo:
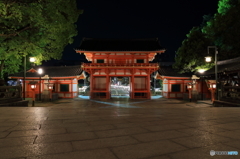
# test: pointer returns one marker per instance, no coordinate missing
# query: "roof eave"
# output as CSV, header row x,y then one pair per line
x,y
153,51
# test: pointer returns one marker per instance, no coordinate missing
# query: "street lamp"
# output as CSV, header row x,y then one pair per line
x,y
31,59
212,88
50,87
40,71
24,77
33,87
189,87
208,59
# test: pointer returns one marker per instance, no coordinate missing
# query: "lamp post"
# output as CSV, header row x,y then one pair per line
x,y
31,59
50,87
40,71
212,88
194,88
24,77
189,87
208,59
33,87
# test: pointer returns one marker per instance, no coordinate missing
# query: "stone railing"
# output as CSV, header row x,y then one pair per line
x,y
9,92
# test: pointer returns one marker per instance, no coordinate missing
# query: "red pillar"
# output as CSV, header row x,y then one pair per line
x,y
132,82
148,85
91,86
190,95
107,84
213,95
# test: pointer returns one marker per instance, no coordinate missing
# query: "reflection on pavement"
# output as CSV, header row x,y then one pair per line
x,y
117,103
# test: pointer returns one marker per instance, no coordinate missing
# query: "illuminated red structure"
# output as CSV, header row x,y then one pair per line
x,y
120,58
59,80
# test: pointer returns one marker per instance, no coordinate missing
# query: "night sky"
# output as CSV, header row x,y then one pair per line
x,y
169,21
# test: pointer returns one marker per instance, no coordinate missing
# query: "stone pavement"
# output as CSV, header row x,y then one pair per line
x,y
118,129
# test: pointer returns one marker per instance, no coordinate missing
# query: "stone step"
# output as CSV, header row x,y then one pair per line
x,y
9,100
23,103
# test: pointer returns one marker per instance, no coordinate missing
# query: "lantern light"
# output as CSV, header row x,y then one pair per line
x,y
33,86
201,70
208,58
50,86
189,86
40,71
32,59
214,85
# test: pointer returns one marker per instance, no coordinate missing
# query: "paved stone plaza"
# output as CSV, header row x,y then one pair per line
x,y
118,129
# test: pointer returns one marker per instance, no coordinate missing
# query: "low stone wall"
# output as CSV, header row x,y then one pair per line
x,y
12,96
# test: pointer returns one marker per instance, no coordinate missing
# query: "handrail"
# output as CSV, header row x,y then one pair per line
x,y
120,64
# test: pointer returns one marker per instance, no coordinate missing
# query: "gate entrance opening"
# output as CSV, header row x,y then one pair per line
x,y
120,87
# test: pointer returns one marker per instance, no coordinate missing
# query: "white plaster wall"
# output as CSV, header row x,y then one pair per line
x,y
165,87
74,87
74,94
165,94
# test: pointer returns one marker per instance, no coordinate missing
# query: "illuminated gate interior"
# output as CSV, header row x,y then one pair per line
x,y
120,87
114,59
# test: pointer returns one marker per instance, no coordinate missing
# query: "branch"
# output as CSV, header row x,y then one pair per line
x,y
15,34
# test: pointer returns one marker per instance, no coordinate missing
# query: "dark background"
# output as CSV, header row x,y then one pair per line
x,y
169,21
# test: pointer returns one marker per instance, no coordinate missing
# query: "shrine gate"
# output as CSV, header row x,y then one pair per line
x,y
120,58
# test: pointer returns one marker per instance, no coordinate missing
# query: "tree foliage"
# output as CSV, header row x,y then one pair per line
x,y
221,30
40,28
225,5
190,56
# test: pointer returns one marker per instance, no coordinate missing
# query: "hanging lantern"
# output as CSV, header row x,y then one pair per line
x,y
208,58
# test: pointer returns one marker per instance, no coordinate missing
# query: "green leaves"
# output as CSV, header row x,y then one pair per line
x,y
221,30
191,54
40,28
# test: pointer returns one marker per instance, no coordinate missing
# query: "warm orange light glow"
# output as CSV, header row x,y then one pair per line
x,y
214,85
33,86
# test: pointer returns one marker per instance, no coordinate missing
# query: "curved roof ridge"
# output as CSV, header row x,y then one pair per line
x,y
57,66
237,59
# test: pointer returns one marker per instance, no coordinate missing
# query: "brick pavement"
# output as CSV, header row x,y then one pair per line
x,y
118,129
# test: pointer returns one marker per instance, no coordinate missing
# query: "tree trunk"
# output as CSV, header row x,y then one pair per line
x,y
1,69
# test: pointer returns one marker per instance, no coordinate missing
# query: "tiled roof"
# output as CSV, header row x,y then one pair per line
x,y
226,65
170,72
91,44
56,71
